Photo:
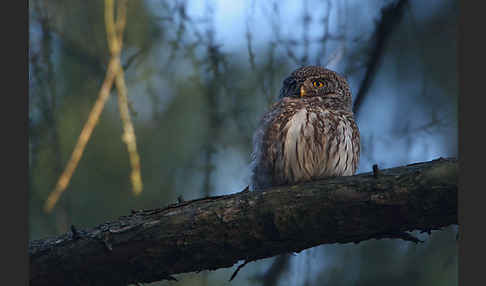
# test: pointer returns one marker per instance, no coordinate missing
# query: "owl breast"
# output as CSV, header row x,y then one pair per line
x,y
310,143
317,144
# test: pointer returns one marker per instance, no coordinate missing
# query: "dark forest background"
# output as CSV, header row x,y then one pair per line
x,y
199,76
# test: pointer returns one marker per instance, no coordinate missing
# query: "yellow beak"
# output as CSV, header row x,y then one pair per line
x,y
302,91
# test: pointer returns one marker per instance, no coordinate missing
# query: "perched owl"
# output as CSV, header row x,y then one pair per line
x,y
309,134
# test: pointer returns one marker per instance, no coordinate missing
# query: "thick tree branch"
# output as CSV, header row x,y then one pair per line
x,y
216,232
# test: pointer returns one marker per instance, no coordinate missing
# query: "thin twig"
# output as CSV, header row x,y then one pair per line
x,y
114,33
93,118
115,41
376,171
238,269
391,15
129,133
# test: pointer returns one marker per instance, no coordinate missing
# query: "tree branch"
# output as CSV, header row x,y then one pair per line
x,y
217,232
391,15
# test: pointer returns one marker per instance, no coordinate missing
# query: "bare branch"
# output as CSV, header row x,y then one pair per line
x,y
128,130
114,31
83,139
217,232
391,16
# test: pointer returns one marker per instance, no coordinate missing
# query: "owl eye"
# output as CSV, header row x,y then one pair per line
x,y
318,83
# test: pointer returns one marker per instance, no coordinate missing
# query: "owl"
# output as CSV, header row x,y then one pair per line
x,y
309,133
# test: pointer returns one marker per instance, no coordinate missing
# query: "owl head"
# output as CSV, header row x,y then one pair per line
x,y
315,81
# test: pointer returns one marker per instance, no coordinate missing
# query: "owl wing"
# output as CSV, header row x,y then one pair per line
x,y
356,145
268,142
341,136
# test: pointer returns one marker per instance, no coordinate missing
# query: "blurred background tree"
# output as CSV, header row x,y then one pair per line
x,y
199,76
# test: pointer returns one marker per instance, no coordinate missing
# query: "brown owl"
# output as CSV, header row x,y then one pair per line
x,y
309,133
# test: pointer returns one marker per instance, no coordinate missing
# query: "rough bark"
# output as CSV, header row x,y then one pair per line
x,y
216,232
